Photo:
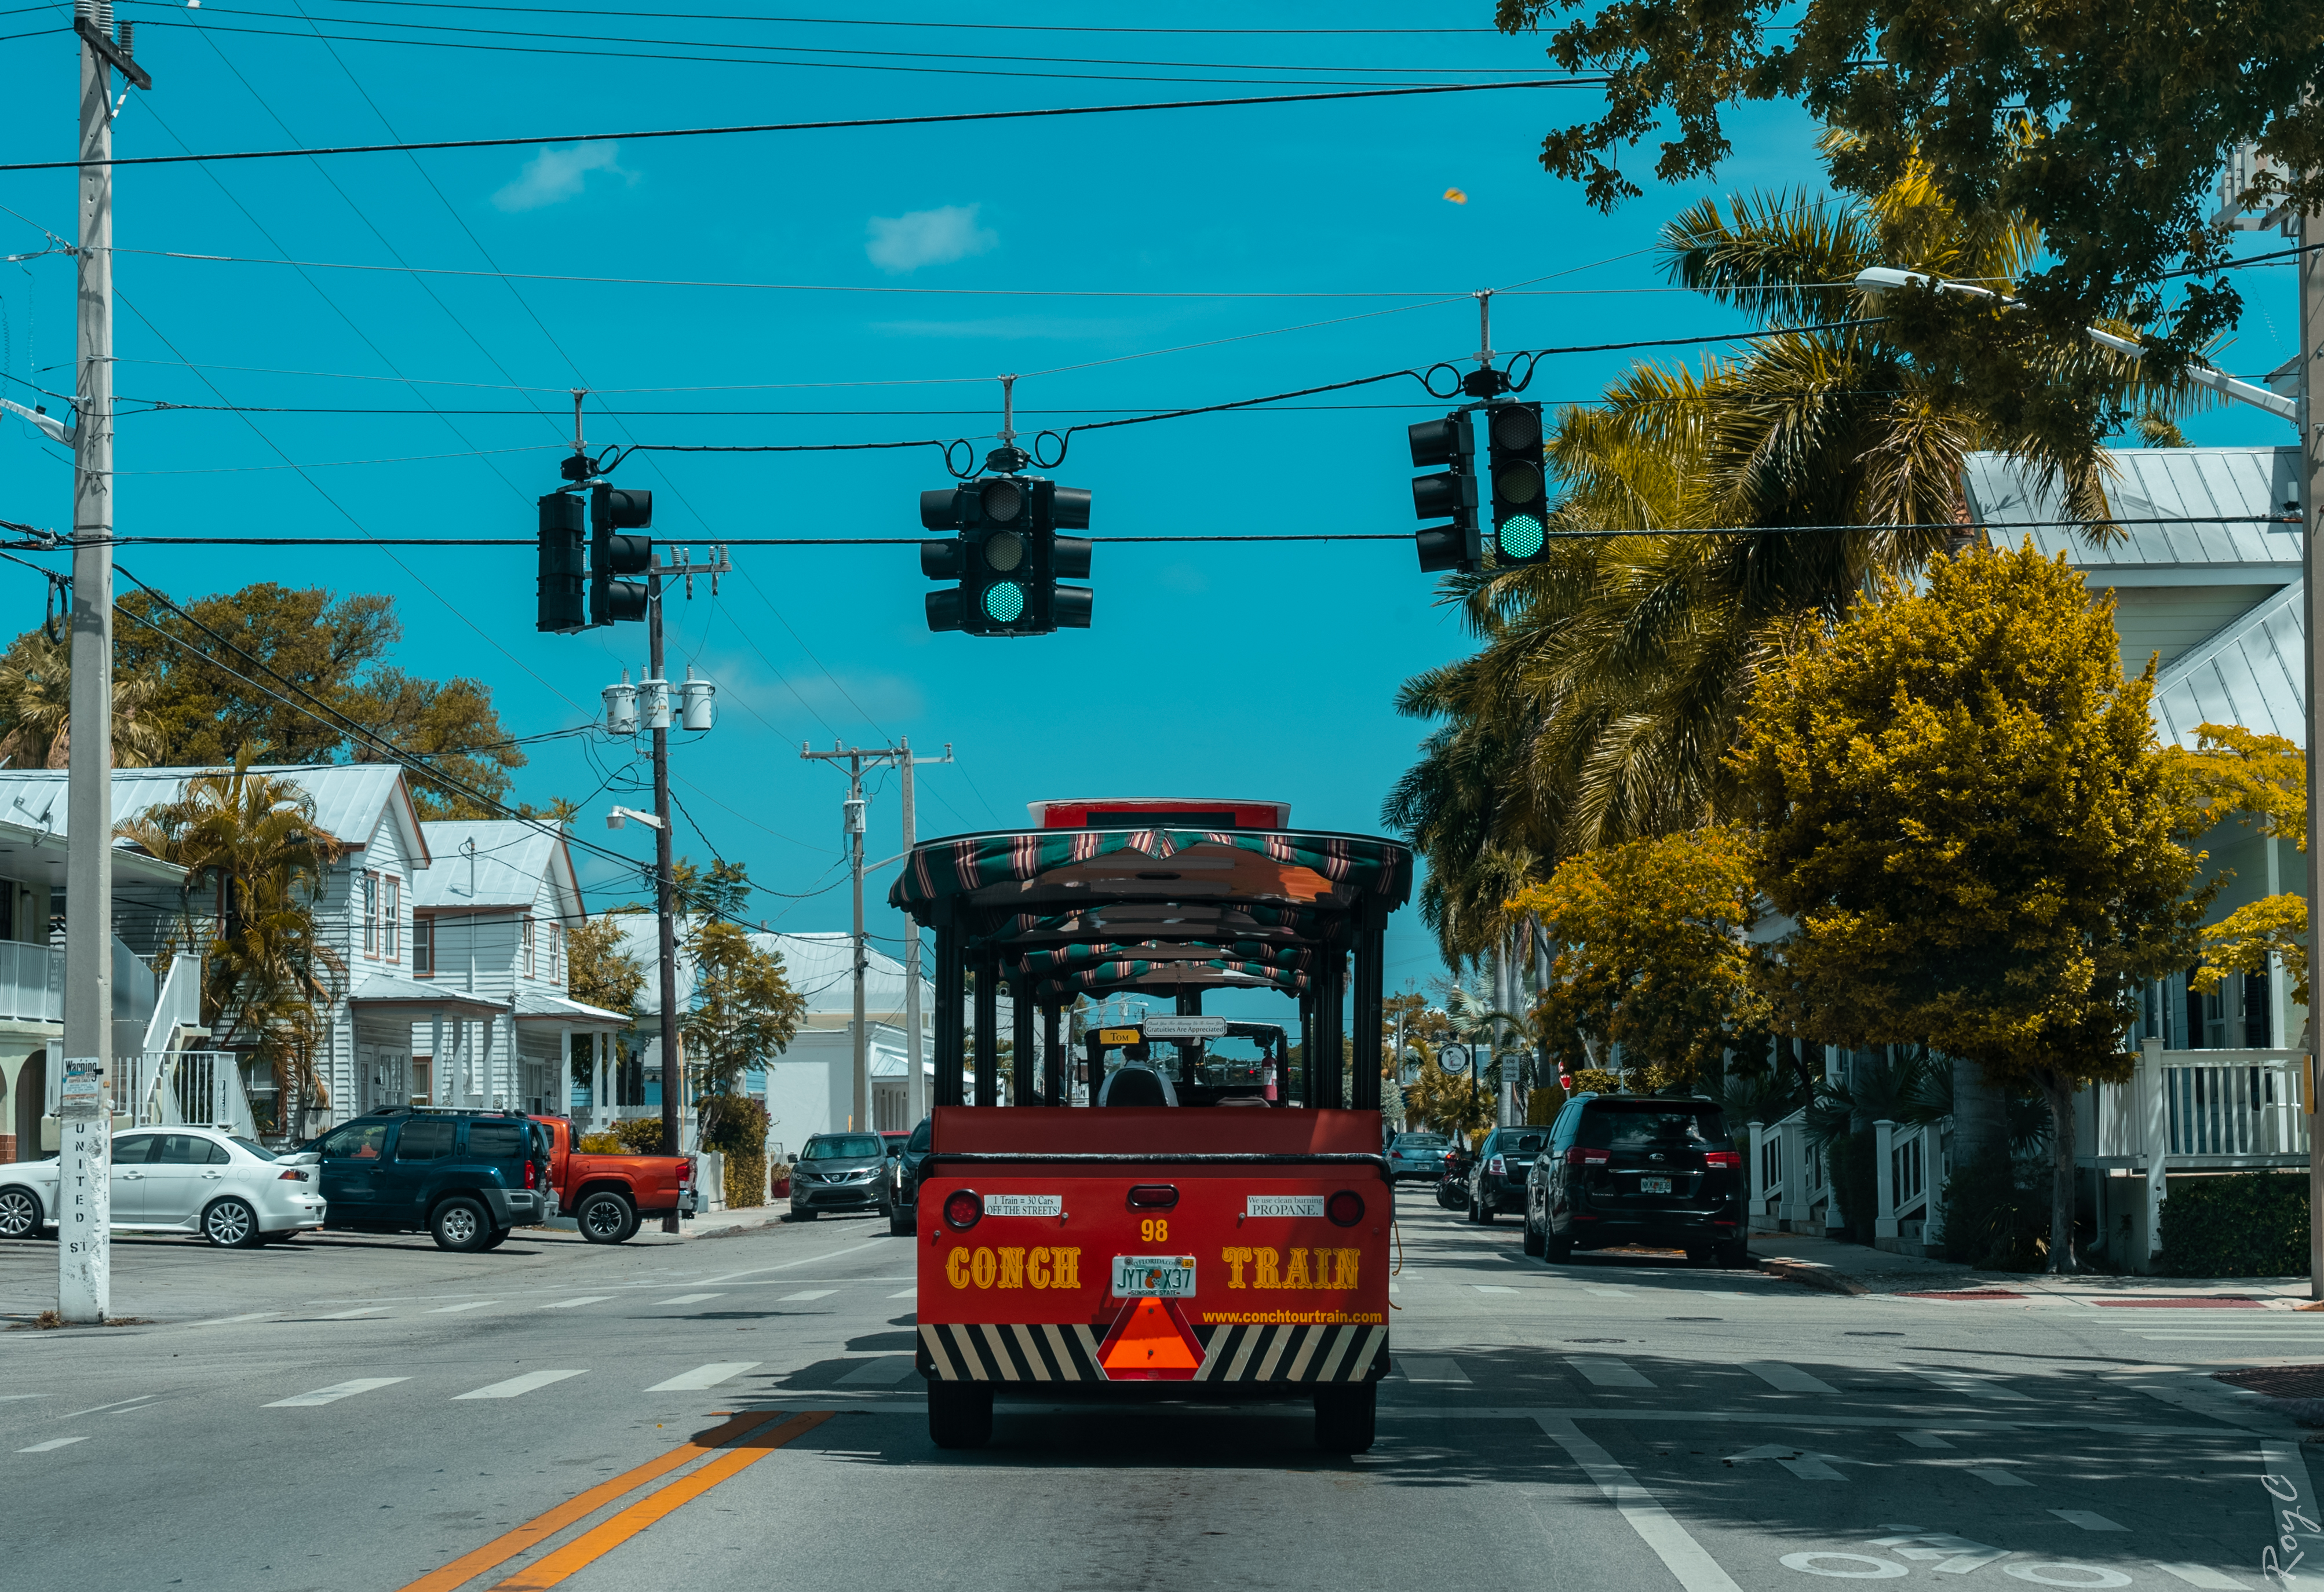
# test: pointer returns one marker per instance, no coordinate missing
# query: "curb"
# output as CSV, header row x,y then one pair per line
x,y
1808,1274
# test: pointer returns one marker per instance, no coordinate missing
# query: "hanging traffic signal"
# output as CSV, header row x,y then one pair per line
x,y
563,570
1521,483
614,508
1452,492
1007,557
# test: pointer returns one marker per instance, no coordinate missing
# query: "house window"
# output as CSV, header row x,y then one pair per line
x,y
557,954
371,914
423,947
392,918
528,949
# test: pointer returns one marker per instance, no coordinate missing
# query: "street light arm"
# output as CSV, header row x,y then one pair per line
x,y
56,430
1877,279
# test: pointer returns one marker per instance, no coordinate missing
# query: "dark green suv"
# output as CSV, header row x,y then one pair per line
x,y
467,1177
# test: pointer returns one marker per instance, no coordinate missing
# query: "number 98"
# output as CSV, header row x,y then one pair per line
x,y
1154,1230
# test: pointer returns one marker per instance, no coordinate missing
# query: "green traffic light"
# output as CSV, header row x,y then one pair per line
x,y
1004,603
1520,536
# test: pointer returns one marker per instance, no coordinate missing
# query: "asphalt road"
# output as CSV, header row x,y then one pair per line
x,y
355,1415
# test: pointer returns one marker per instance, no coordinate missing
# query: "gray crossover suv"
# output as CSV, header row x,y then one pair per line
x,y
840,1171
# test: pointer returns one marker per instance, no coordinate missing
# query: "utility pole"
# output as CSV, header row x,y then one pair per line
x,y
673,1070
84,1169
2312,505
916,1087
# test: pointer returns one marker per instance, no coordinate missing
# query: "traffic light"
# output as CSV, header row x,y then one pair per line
x,y
1007,557
1520,485
562,564
1451,493
614,508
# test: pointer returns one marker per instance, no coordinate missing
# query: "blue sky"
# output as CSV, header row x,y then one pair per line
x,y
1068,251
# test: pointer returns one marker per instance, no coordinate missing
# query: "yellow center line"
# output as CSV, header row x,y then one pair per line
x,y
508,1544
591,1546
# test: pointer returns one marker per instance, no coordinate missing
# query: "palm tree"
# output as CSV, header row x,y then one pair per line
x,y
36,708
1612,676
252,840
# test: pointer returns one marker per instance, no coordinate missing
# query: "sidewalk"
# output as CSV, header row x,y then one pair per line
x,y
1854,1268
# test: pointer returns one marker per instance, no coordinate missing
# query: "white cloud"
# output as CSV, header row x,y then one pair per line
x,y
556,175
900,243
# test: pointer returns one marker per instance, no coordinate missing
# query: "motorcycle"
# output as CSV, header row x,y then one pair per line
x,y
1452,1188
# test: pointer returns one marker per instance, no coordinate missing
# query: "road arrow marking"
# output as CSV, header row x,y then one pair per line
x,y
1807,1467
1958,1554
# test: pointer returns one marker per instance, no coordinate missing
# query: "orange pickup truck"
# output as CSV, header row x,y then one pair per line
x,y
608,1195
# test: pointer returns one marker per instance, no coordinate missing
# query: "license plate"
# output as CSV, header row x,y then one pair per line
x,y
1654,1185
1153,1276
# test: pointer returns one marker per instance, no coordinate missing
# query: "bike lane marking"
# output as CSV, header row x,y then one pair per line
x,y
1681,1554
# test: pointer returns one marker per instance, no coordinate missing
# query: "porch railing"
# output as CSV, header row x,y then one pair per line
x,y
1788,1177
1912,1162
2200,1109
179,1088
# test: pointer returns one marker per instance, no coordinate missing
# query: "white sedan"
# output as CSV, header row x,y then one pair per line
x,y
233,1192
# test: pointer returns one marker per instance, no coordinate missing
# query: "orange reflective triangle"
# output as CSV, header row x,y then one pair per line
x,y
1150,1337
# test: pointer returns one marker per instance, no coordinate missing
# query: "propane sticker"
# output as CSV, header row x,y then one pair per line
x,y
1283,1205
1024,1205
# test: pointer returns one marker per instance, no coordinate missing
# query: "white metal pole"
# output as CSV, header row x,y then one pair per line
x,y
862,1122
84,1186
2311,461
916,1088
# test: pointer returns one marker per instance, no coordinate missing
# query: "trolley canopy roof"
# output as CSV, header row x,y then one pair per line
x,y
1092,911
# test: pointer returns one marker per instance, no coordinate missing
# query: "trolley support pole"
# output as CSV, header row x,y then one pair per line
x,y
1330,1057
1055,1086
948,1002
1020,1012
1370,934
988,1032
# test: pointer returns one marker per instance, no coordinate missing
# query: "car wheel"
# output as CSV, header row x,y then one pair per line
x,y
960,1414
899,1224
1487,1210
20,1214
1346,1417
459,1225
231,1224
606,1217
499,1237
1555,1250
799,1215
1733,1254
1532,1234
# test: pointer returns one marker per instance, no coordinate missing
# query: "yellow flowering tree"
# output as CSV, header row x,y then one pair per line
x,y
2233,769
1651,956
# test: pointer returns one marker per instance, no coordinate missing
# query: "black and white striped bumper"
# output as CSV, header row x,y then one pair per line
x,y
1244,1355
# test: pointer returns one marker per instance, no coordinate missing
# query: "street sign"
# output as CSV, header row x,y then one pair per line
x,y
1174,1027
1453,1058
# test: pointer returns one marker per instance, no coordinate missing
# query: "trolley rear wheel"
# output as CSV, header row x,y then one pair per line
x,y
1346,1417
960,1414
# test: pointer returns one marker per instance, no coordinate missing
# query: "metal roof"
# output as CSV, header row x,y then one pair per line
x,y
540,1004
384,990
349,797
2249,674
513,856
2222,491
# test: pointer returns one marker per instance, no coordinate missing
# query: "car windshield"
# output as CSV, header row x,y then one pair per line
x,y
922,1136
1523,1144
845,1147
1421,1141
1647,1125
256,1148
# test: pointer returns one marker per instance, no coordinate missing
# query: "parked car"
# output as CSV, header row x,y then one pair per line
x,y
904,1179
840,1171
1417,1157
234,1191
610,1195
1654,1170
1497,1180
467,1177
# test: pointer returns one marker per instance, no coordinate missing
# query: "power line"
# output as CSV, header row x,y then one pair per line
x,y
946,118
847,21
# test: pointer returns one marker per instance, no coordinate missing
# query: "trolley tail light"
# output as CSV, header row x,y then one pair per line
x,y
1346,1207
963,1210
1722,1157
1152,1196
1577,1156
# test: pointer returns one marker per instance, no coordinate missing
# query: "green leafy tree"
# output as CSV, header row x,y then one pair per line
x,y
36,708
1962,805
334,649
744,1010
2104,126
1651,957
599,966
2233,770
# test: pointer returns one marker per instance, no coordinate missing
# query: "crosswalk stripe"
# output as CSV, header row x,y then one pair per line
x,y
906,1293
446,1310
701,1377
335,1392
349,1315
1924,1439
888,1369
1606,1372
1785,1379
2202,1576
1997,1477
256,1315
1976,1386
54,1442
1418,1368
1491,1288
2088,1520
584,1298
516,1386
1609,1293
803,1298
687,1299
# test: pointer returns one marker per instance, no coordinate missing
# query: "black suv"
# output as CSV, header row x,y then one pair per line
x,y
1496,1182
904,1179
1657,1171
467,1177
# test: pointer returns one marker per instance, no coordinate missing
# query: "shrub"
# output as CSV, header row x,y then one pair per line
x,y
735,1124
600,1144
1998,1214
640,1135
2252,1224
746,1178
1852,1159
